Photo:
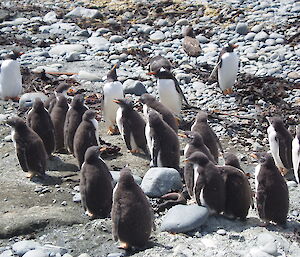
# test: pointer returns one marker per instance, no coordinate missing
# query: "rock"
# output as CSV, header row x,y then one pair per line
x,y
88,76
77,198
99,43
134,87
21,247
116,177
7,253
199,87
270,248
256,252
8,138
72,57
50,17
67,255
291,183
294,75
157,36
53,250
202,39
84,255
159,181
264,238
184,218
116,39
116,255
36,253
242,28
84,13
27,99
183,76
182,22
221,232
65,48
250,36
257,28
261,36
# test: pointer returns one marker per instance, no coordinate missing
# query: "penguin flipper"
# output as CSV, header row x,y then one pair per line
x,y
179,90
189,178
261,200
116,213
126,134
21,154
284,152
198,188
155,150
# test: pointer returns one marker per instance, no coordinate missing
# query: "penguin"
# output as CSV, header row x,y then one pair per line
x,y
51,101
280,140
10,77
190,44
29,147
58,117
209,186
232,160
73,119
86,135
162,142
228,65
158,62
296,153
238,192
132,215
131,126
113,89
95,184
272,195
39,120
210,139
150,101
170,93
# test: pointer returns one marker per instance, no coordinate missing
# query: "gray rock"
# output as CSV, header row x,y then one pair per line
x,y
257,28
20,248
67,255
159,181
162,22
116,39
27,99
99,43
134,87
88,76
116,255
242,28
256,252
71,57
291,183
53,250
50,17
84,255
157,36
270,42
83,33
270,248
66,48
36,253
199,87
116,177
184,218
250,36
182,22
84,13
261,36
77,198
202,39
184,76
7,253
221,232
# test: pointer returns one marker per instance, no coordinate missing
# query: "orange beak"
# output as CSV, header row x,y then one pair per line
x,y
186,160
182,135
115,66
253,155
116,101
151,73
70,90
102,149
235,46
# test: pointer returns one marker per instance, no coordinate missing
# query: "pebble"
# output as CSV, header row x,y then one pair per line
x,y
84,75
184,218
99,43
157,36
134,87
257,28
77,198
261,36
84,255
71,57
294,75
221,232
202,39
159,181
50,17
182,22
242,28
62,49
21,247
36,253
84,13
116,39
116,255
291,183
7,253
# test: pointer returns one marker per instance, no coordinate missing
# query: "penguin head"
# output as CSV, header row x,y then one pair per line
x,y
62,101
126,179
147,99
275,122
62,89
89,115
112,74
125,104
38,104
201,116
192,137
189,32
154,118
92,153
198,158
78,100
230,48
16,123
265,159
14,55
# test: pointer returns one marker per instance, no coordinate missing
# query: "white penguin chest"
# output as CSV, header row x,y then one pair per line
x,y
195,177
95,123
186,148
274,146
257,170
296,157
13,132
119,121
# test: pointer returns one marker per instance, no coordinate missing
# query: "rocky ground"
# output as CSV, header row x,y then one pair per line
x,y
86,44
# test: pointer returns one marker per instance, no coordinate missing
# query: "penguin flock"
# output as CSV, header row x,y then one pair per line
x,y
57,126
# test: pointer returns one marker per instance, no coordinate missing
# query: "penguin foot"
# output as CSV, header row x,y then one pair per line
x,y
91,215
124,246
30,175
112,131
191,201
228,91
283,171
134,151
14,99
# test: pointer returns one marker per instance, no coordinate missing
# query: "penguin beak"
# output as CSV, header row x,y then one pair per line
x,y
255,156
186,160
182,135
102,149
235,46
70,91
151,73
116,101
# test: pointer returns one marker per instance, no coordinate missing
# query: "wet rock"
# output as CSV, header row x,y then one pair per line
x,y
27,99
159,181
99,43
65,48
134,87
84,13
184,218
36,253
157,36
242,28
20,248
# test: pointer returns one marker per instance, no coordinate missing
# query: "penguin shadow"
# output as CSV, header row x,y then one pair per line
x,y
54,163
46,180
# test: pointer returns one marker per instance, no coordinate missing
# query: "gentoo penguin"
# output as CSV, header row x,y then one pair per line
x,y
163,143
10,77
209,186
190,44
86,135
39,120
232,160
73,119
158,62
58,117
170,93
238,192
51,101
280,140
29,146
132,215
112,89
150,101
296,153
95,184
131,126
272,195
210,139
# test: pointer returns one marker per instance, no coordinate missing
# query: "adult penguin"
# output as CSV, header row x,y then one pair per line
x,y
10,77
209,186
29,147
272,194
190,44
280,140
39,120
73,119
158,62
113,89
95,184
210,139
86,135
131,126
58,117
132,215
150,101
296,153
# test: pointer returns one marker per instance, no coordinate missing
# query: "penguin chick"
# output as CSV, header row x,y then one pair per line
x,y
131,126
150,101
39,120
51,101
73,119
132,215
296,153
272,195
86,135
190,44
232,160
158,62
95,184
112,89
29,147
280,140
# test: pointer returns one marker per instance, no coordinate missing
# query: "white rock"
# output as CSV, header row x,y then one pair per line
x,y
67,48
21,247
50,17
27,99
88,76
84,12
157,36
99,43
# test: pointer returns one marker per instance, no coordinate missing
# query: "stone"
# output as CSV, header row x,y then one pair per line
x,y
199,87
71,57
88,76
21,247
261,36
84,255
182,22
184,76
116,176
159,181
66,48
221,232
50,17
7,253
184,218
202,39
294,75
134,87
67,255
270,248
250,36
27,99
36,253
157,36
84,13
53,249
116,255
256,252
77,198
257,28
99,43
242,28
291,183
116,39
